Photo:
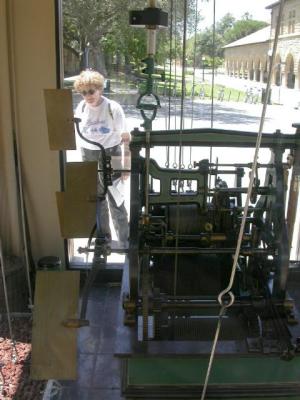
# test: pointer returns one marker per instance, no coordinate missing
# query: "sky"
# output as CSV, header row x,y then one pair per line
x,y
235,7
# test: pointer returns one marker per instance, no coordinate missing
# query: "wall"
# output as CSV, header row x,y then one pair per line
x,y
30,46
9,221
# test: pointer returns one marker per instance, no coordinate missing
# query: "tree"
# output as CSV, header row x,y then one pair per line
x,y
87,26
210,42
101,27
242,28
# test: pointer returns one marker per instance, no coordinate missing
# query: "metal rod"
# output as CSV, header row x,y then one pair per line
x,y
213,66
209,250
180,139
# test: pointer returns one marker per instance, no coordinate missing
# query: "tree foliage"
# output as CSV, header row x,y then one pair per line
x,y
242,28
208,44
102,27
87,23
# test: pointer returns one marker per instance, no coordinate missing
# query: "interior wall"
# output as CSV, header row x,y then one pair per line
x,y
32,52
9,215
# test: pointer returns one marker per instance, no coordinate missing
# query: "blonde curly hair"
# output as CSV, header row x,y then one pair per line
x,y
87,79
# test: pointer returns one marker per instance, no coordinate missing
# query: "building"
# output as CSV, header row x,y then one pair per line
x,y
248,57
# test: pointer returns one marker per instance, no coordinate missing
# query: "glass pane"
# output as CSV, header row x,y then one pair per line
x,y
216,79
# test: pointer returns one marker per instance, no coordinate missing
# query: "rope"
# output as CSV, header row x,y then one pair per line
x,y
227,290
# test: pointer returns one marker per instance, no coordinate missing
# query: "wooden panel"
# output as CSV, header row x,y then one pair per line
x,y
54,347
59,111
81,179
76,216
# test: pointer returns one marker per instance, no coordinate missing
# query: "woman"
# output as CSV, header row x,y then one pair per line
x,y
103,121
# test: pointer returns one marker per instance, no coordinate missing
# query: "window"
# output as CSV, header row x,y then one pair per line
x,y
291,22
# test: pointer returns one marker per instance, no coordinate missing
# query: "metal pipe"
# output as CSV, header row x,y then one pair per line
x,y
208,250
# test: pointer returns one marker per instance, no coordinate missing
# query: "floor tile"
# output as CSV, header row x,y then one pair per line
x,y
86,367
108,340
98,316
75,393
103,394
107,373
89,338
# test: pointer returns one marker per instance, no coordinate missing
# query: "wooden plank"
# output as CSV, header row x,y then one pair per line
x,y
81,179
76,216
54,347
59,112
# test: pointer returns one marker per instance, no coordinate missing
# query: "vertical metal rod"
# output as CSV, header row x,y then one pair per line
x,y
167,163
180,140
194,64
170,66
213,65
147,161
151,33
175,67
212,86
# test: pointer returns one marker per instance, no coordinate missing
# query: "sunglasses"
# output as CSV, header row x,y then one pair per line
x,y
86,92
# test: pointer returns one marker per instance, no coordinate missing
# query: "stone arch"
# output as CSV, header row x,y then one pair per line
x,y
298,74
265,70
239,69
227,67
277,71
232,67
251,70
244,69
257,70
289,72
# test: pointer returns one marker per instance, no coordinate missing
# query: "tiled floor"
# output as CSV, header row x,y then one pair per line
x,y
98,370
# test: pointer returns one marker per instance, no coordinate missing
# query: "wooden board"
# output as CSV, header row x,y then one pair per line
x,y
81,179
54,347
76,216
59,112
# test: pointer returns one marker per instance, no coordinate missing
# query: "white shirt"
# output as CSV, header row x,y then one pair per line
x,y
102,124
